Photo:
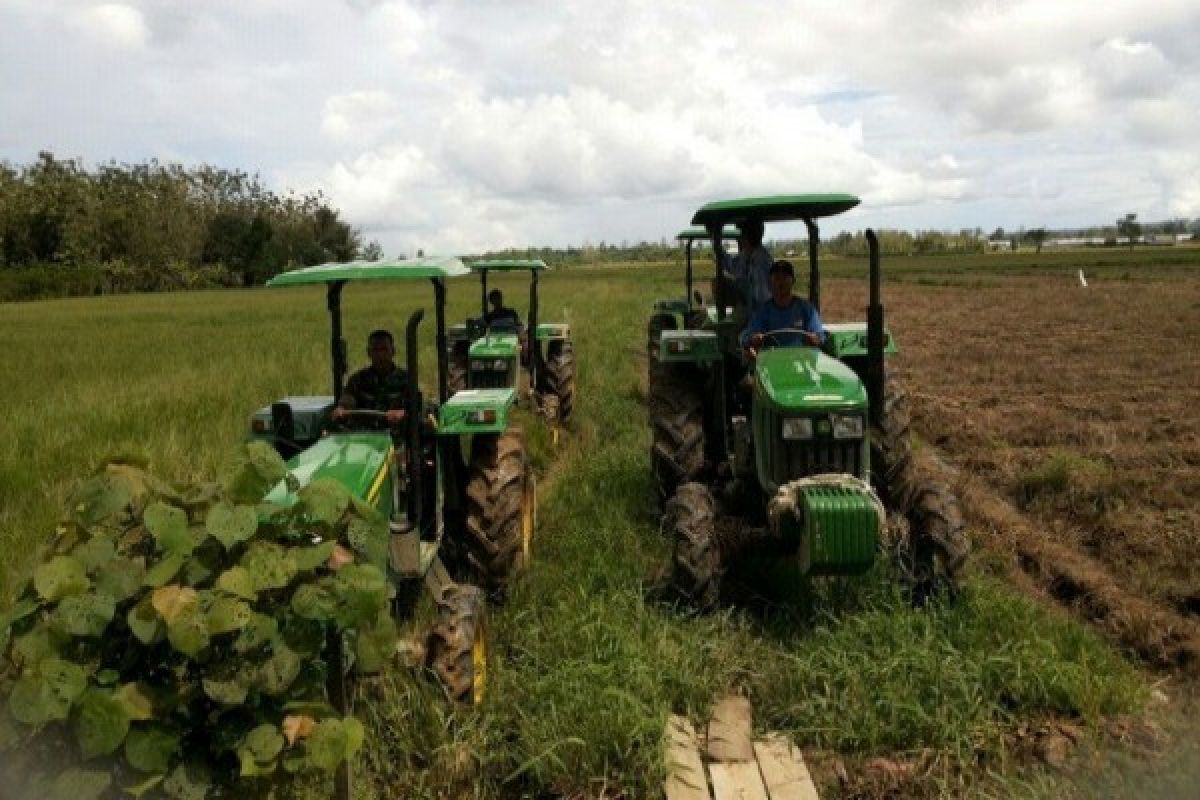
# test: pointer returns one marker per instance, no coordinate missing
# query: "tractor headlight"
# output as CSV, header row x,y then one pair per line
x,y
482,417
479,365
847,426
500,364
798,428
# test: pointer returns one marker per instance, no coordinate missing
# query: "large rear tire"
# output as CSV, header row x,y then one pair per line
x,y
891,452
496,495
677,417
696,557
457,650
937,547
558,377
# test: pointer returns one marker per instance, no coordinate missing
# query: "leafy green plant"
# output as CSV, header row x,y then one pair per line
x,y
177,641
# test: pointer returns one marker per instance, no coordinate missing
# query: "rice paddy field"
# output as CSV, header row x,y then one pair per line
x,y
1064,416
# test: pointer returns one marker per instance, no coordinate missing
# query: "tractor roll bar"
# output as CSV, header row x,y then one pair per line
x,y
439,298
413,418
688,272
333,301
531,330
814,271
876,375
483,292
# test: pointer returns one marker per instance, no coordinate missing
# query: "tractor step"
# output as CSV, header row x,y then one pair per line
x,y
725,763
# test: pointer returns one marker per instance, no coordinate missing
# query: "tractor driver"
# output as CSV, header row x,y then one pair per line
x,y
499,314
783,311
380,387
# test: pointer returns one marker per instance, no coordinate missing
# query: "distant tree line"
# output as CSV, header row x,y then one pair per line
x,y
65,229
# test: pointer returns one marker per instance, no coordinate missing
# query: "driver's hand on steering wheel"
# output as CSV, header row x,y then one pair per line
x,y
395,416
338,414
811,339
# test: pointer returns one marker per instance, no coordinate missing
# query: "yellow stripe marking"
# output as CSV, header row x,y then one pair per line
x,y
377,484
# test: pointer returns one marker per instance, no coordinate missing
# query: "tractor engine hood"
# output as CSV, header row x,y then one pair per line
x,y
495,345
804,378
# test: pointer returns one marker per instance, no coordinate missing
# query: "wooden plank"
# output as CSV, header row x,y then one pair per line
x,y
737,780
729,730
685,772
783,769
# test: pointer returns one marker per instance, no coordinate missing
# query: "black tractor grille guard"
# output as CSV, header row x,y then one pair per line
x,y
821,455
489,379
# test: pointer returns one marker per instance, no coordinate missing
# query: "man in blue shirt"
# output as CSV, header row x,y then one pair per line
x,y
783,310
749,268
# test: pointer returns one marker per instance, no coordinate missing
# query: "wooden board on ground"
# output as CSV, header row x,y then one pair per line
x,y
737,780
771,769
783,769
730,731
685,772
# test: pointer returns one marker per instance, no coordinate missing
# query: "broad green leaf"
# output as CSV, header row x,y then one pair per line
x,y
120,578
164,571
47,694
324,500
227,615
309,558
173,601
269,565
95,552
362,593
369,538
231,525
188,631
279,671
30,648
355,736
144,622
78,784
100,724
315,602
259,750
375,645
100,497
60,577
169,527
199,569
84,614
151,748
189,781
331,743
237,581
252,471
260,631
133,698
230,692
107,677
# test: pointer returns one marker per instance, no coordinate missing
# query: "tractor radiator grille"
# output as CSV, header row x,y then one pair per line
x,y
489,379
791,459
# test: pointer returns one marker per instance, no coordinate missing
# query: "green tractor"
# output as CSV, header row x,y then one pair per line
x,y
484,356
447,517
682,312
800,460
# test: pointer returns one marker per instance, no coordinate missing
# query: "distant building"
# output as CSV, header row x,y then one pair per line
x,y
999,244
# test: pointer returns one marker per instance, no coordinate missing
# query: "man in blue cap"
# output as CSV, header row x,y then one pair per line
x,y
784,311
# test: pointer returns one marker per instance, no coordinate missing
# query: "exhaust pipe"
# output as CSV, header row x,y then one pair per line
x,y
413,413
876,375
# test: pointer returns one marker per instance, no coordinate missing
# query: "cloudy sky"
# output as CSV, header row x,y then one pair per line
x,y
461,126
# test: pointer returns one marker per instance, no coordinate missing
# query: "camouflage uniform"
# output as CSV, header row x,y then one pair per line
x,y
375,392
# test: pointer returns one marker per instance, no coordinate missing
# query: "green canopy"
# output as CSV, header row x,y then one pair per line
x,y
432,267
691,234
507,265
778,208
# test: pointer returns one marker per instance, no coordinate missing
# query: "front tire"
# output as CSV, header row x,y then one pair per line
x,y
458,644
496,496
696,557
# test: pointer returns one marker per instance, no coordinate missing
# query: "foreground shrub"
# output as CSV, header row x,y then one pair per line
x,y
176,641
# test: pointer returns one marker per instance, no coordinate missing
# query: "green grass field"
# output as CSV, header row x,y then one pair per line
x,y
587,662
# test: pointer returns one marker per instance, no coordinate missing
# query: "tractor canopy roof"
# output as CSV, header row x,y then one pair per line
x,y
507,265
411,269
777,208
691,234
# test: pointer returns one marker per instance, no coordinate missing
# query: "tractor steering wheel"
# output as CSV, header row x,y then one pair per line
x,y
377,419
779,332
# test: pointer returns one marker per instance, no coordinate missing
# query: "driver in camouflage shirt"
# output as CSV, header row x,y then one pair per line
x,y
380,387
